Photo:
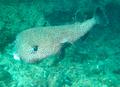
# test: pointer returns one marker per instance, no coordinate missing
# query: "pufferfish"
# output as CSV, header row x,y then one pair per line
x,y
35,44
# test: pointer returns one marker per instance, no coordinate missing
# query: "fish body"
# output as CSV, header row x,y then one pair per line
x,y
37,43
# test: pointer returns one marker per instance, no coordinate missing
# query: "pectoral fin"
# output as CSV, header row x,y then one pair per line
x,y
61,53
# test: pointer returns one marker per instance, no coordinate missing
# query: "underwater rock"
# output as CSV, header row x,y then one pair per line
x,y
5,76
117,71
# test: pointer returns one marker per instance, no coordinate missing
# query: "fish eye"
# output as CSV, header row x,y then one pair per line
x,y
34,49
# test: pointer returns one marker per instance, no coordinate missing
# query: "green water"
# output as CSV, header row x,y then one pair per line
x,y
93,61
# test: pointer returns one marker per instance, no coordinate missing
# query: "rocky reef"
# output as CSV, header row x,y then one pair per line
x,y
89,62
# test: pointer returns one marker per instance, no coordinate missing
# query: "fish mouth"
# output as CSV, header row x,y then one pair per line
x,y
33,60
16,57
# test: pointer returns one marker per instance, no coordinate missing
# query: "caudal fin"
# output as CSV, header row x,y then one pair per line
x,y
101,17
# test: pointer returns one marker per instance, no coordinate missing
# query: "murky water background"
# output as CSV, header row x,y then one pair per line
x,y
93,61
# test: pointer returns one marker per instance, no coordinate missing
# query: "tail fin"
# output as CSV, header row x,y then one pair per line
x,y
101,17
